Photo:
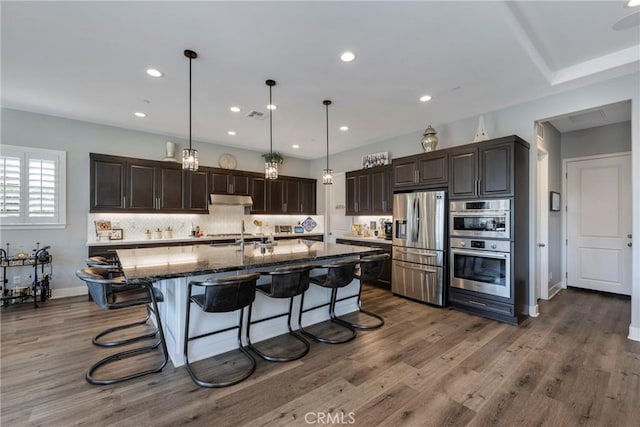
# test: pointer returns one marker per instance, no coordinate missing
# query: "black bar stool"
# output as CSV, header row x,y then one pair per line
x,y
339,275
370,269
286,282
116,293
221,295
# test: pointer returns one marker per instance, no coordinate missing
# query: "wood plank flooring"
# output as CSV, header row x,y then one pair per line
x,y
427,366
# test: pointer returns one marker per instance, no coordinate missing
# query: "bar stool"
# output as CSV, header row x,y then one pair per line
x,y
221,295
286,282
370,269
339,275
116,293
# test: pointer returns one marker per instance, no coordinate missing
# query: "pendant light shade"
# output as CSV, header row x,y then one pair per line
x,y
270,166
327,174
190,155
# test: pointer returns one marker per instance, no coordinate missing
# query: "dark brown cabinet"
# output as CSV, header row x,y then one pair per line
x,y
198,191
484,170
223,182
369,191
385,277
428,170
258,193
107,177
290,195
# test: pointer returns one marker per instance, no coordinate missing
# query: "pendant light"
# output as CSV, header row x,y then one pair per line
x,y
190,155
270,166
327,174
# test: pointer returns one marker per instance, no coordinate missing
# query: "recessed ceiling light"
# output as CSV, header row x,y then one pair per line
x,y
296,146
140,114
272,107
235,109
344,128
154,73
425,98
633,3
231,132
347,56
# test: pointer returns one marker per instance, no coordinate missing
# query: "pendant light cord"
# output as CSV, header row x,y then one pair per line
x,y
327,111
190,60
270,124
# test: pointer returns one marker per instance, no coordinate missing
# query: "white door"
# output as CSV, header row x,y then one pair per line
x,y
599,224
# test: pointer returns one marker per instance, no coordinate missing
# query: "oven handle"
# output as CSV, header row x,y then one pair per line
x,y
476,213
495,255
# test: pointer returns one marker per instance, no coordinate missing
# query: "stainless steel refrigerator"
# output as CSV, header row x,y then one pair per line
x,y
419,255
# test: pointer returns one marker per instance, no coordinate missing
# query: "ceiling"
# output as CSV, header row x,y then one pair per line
x,y
87,61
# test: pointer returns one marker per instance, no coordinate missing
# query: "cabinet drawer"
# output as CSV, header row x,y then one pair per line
x,y
475,303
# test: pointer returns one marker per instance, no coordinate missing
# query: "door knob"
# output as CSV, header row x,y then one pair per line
x,y
541,245
629,235
629,244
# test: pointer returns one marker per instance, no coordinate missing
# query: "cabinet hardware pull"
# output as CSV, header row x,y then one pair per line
x,y
356,206
124,201
476,303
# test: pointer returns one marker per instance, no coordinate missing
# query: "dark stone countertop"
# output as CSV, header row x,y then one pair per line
x,y
180,261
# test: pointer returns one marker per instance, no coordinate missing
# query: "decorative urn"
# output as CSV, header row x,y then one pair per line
x,y
429,139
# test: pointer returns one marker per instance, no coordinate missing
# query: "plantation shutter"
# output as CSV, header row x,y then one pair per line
x,y
10,186
42,188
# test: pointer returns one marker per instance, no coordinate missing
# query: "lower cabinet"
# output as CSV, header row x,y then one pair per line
x,y
385,277
475,303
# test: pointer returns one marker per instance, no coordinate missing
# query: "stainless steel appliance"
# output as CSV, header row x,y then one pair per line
x,y
419,246
481,218
481,265
388,230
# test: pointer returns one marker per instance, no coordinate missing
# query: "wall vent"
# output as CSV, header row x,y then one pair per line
x,y
257,115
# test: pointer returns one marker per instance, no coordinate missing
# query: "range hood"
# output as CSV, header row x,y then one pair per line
x,y
232,200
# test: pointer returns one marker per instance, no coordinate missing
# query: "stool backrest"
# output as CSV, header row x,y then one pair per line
x,y
288,282
229,293
371,266
99,284
340,274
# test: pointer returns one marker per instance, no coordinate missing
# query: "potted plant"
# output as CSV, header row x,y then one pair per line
x,y
273,157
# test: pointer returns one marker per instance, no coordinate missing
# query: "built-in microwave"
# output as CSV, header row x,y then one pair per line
x,y
480,218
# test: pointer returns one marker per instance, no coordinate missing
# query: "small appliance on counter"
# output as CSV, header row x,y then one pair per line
x,y
388,230
283,228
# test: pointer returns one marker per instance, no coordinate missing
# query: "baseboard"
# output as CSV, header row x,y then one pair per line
x,y
533,310
68,292
634,333
553,290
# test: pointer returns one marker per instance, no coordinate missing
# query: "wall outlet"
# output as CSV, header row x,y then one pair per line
x,y
16,280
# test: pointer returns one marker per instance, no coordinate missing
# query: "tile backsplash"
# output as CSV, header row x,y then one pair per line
x,y
221,220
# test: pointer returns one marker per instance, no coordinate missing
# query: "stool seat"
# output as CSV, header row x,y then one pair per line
x,y
222,294
286,282
338,275
116,293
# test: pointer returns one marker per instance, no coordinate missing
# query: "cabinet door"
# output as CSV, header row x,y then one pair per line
x,y
363,183
351,194
389,193
198,193
404,173
107,184
496,170
220,183
258,194
292,200
378,191
308,197
170,189
239,184
433,169
276,191
141,187
463,173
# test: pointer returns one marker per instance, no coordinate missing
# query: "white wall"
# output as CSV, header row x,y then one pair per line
x,y
615,138
79,139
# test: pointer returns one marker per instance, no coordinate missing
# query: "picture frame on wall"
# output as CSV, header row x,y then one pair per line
x,y
554,201
375,159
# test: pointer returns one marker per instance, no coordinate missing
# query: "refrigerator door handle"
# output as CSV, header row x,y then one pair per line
x,y
417,219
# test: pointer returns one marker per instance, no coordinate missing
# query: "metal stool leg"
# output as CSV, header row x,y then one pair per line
x,y
376,325
332,315
96,339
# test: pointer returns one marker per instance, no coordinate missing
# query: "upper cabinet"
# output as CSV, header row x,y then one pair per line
x,y
427,170
369,191
485,169
230,182
289,195
107,177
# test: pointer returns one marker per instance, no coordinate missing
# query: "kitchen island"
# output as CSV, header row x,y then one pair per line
x,y
172,267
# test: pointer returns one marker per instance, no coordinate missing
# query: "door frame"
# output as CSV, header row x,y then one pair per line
x,y
542,224
565,162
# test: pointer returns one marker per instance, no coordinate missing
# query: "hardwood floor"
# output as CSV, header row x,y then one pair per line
x,y
427,366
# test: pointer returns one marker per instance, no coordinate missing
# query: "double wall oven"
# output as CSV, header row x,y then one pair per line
x,y
480,242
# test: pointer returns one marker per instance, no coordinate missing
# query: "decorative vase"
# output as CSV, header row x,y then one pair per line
x,y
171,152
429,139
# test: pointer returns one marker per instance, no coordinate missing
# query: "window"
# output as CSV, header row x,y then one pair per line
x,y
32,187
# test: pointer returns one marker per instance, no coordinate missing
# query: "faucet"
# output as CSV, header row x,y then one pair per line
x,y
241,240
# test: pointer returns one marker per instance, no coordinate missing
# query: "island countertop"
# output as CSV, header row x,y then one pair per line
x,y
181,261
